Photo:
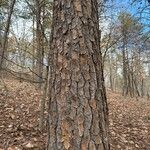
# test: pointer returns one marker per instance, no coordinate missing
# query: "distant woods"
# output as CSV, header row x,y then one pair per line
x,y
25,31
3,44
127,56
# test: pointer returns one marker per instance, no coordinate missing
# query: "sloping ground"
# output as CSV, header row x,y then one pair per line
x,y
19,113
129,123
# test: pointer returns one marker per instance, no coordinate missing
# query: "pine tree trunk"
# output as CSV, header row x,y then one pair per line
x,y
78,108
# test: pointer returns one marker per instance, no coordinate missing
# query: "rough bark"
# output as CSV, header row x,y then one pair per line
x,y
78,107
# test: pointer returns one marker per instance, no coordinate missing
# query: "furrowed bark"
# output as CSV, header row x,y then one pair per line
x,y
78,107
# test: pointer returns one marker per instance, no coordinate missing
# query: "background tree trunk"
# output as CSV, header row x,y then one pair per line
x,y
33,49
78,107
110,72
3,49
39,40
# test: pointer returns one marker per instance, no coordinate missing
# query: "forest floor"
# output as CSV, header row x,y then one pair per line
x,y
19,114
